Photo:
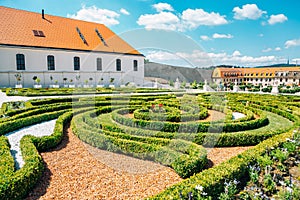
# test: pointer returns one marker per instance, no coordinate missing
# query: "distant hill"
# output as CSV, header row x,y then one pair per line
x,y
169,72
279,65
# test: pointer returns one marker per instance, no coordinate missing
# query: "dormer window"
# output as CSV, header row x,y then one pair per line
x,y
38,33
101,37
81,35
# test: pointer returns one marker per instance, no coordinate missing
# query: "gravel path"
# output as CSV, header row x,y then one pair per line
x,y
72,172
237,115
14,138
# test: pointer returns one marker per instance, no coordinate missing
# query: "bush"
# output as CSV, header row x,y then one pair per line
x,y
19,183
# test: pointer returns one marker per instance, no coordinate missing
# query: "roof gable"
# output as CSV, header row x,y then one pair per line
x,y
17,28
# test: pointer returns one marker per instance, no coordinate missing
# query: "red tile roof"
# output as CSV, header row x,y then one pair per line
x,y
17,26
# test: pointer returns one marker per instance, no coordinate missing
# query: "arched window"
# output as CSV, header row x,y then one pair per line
x,y
118,65
135,65
99,64
20,59
51,62
76,63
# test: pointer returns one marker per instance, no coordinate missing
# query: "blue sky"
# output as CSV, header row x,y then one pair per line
x,y
192,33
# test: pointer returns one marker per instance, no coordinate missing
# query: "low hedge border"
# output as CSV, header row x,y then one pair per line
x,y
185,161
6,160
23,180
246,138
77,91
192,127
171,114
13,125
212,180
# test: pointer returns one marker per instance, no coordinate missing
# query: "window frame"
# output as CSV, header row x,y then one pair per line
x,y
51,63
99,64
20,61
135,65
118,65
76,63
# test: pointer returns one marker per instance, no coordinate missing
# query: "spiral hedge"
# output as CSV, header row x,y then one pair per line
x,y
168,129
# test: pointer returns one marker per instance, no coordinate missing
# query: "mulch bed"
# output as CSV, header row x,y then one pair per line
x,y
75,170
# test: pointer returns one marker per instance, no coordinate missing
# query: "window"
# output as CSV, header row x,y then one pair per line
x,y
20,58
81,35
38,33
101,37
76,63
51,63
118,65
135,65
99,64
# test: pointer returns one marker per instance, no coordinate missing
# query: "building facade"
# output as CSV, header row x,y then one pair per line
x,y
62,51
266,76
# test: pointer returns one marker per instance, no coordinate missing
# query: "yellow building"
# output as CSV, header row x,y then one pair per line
x,y
258,76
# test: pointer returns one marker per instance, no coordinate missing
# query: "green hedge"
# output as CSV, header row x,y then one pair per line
x,y
190,127
13,125
6,160
171,114
185,161
212,180
19,183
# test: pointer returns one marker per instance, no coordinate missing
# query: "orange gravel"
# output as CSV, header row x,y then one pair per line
x,y
218,155
73,173
75,170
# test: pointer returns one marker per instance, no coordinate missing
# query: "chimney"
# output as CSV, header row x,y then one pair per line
x,y
43,14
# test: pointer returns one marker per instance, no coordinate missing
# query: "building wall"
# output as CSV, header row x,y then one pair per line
x,y
36,65
277,77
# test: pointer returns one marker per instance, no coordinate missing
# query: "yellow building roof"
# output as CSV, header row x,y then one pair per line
x,y
23,28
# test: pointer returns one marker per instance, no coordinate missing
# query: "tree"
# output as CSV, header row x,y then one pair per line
x,y
183,84
18,78
38,80
65,79
112,80
171,83
34,79
194,84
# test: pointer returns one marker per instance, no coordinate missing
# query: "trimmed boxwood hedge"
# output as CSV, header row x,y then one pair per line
x,y
212,180
185,161
190,127
20,182
185,157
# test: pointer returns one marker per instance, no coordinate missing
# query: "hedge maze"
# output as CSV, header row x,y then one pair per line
x,y
172,130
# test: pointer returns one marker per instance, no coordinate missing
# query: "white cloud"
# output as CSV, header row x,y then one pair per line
x,y
292,43
236,53
274,19
217,36
248,11
270,49
296,61
204,59
162,56
163,7
124,11
162,20
277,49
189,19
198,17
267,50
261,35
94,14
205,37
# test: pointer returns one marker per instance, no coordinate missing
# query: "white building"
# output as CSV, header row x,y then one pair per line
x,y
63,51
